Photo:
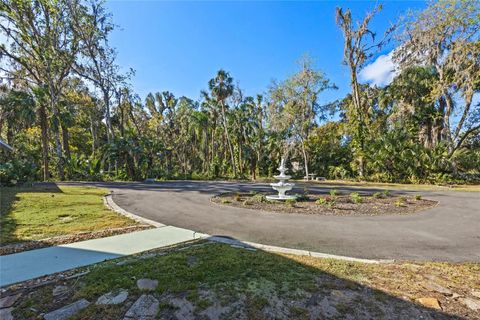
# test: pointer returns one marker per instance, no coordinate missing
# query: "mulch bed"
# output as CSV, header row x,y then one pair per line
x,y
340,205
48,242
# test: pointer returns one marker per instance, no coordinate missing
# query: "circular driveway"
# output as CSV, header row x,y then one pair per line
x,y
448,232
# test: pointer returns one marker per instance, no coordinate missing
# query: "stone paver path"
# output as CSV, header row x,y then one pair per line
x,y
145,308
67,311
36,263
112,298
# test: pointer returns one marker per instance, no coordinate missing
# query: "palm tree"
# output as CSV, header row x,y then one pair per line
x,y
222,88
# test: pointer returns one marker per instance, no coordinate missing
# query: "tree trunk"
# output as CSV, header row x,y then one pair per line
x,y
229,144
108,119
357,103
66,144
305,159
58,142
93,130
44,128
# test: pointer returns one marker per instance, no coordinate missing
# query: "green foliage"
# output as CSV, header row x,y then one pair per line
x,y
259,198
333,192
386,193
16,171
378,195
399,203
356,197
80,168
328,201
400,133
418,197
291,202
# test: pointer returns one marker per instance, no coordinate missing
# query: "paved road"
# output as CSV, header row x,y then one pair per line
x,y
448,232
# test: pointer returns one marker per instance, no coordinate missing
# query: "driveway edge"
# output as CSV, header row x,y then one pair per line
x,y
297,252
109,202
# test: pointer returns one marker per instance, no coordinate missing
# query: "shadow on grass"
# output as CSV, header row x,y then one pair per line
x,y
206,280
8,197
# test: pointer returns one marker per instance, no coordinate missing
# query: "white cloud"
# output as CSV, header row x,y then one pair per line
x,y
380,72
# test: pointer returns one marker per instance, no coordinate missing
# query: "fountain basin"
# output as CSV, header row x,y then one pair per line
x,y
279,197
282,186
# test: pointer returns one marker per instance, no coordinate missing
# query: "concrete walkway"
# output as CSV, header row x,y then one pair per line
x,y
36,263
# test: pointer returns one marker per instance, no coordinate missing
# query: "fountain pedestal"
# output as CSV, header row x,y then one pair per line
x,y
282,186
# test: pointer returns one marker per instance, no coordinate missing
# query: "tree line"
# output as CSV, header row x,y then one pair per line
x,y
71,113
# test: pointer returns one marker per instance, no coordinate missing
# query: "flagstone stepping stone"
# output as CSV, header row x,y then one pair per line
x,y
145,308
111,298
430,303
6,314
432,286
8,301
59,290
147,284
476,293
67,311
472,304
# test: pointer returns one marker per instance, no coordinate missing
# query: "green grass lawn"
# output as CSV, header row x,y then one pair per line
x,y
34,213
217,281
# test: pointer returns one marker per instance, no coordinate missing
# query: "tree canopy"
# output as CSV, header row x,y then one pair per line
x,y
65,103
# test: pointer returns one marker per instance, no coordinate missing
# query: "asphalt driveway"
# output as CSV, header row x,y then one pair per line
x,y
448,232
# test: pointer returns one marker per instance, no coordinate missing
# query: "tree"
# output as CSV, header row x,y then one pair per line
x,y
98,59
446,37
412,106
294,105
359,46
221,88
42,46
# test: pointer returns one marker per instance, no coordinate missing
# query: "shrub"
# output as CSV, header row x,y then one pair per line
x,y
418,197
356,197
225,201
15,171
291,202
331,203
399,203
321,201
333,192
259,198
378,195
386,193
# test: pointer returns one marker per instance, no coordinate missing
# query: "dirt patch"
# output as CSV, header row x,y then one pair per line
x,y
87,235
332,205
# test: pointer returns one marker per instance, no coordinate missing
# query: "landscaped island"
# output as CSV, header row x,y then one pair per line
x,y
339,204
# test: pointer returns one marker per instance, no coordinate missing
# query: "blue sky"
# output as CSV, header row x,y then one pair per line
x,y
179,46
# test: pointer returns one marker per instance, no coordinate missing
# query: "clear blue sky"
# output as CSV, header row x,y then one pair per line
x,y
178,46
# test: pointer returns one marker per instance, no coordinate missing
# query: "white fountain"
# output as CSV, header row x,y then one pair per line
x,y
282,186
